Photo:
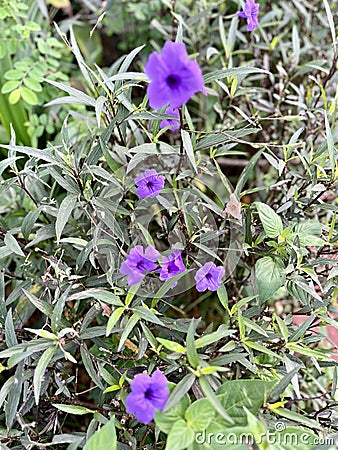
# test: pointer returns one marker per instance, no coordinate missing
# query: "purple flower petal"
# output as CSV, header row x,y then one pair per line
x,y
140,383
149,184
172,123
147,393
209,277
171,265
174,79
138,263
250,12
140,406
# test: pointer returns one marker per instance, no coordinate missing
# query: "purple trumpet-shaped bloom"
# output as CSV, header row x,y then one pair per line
x,y
209,277
174,78
171,266
149,183
250,12
172,123
147,394
138,263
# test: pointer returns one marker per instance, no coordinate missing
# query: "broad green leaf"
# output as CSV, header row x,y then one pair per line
x,y
214,400
272,223
146,314
9,86
223,297
29,96
269,277
104,438
13,74
166,420
98,294
180,436
200,414
32,84
235,394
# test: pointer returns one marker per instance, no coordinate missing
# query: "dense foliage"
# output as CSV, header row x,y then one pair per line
x,y
246,187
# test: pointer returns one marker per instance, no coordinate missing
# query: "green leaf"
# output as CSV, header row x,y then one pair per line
x,y
13,75
146,314
269,277
113,319
179,391
9,86
271,222
41,305
331,24
39,371
260,348
65,210
104,438
29,221
211,396
180,436
191,349
88,363
222,332
98,294
166,420
187,145
14,96
172,345
224,73
234,395
223,297
130,325
73,409
298,418
32,84
12,244
247,172
29,96
200,414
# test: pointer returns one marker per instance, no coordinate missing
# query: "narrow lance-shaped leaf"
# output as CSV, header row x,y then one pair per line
x,y
65,210
40,370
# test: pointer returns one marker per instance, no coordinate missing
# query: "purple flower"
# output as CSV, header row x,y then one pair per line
x,y
149,183
138,262
174,78
147,393
171,265
174,124
250,12
209,277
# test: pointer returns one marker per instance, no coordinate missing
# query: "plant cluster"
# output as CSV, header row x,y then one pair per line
x,y
169,258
